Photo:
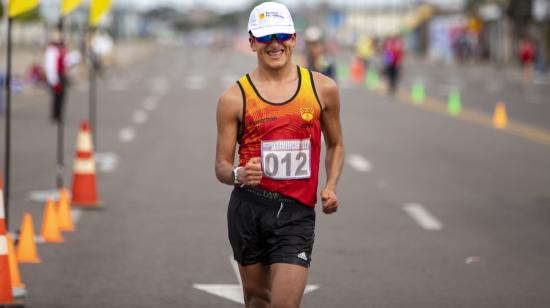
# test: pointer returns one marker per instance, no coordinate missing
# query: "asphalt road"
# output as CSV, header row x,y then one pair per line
x,y
435,211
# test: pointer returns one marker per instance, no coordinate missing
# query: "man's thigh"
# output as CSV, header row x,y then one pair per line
x,y
288,282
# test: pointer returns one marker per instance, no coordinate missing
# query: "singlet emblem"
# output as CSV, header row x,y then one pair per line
x,y
306,113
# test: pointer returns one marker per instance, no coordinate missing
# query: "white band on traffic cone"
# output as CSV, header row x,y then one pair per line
x,y
3,245
84,166
85,142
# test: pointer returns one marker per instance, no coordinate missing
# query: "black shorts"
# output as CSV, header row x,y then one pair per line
x,y
269,228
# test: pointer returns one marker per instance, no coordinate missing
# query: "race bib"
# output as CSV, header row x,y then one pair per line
x,y
286,159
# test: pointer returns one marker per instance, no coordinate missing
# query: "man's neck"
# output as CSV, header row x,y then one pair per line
x,y
276,75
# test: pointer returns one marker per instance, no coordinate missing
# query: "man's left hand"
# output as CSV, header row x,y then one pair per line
x,y
330,201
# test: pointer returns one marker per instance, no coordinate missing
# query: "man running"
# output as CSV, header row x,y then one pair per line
x,y
276,114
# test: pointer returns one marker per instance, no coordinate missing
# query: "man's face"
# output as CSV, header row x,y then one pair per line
x,y
274,54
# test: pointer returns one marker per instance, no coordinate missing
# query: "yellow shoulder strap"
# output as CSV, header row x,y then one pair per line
x,y
246,86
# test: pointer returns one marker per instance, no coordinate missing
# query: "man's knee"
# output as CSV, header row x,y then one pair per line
x,y
254,294
285,302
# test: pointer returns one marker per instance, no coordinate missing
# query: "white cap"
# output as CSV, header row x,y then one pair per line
x,y
270,18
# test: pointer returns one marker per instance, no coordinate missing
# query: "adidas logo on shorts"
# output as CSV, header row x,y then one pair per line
x,y
303,256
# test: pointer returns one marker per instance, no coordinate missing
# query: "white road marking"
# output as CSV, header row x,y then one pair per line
x,y
150,103
195,82
359,163
127,134
76,214
139,117
160,84
42,196
423,217
474,259
106,161
234,292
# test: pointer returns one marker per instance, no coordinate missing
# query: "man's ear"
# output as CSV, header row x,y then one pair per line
x,y
252,45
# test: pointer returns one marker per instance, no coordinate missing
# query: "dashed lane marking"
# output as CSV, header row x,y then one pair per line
x,y
150,103
359,163
127,134
139,117
106,161
160,84
422,217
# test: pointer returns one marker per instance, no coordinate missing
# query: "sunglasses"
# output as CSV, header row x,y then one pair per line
x,y
280,37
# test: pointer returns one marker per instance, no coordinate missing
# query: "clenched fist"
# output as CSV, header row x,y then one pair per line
x,y
329,200
251,173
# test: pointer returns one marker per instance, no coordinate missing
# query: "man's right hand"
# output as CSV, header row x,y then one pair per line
x,y
251,173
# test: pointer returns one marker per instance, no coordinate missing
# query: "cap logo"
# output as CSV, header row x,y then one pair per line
x,y
262,15
274,14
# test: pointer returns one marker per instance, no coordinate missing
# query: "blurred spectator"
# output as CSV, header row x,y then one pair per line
x,y
56,64
526,58
101,49
318,59
392,56
365,50
35,74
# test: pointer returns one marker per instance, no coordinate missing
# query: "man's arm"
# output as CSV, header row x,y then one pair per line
x,y
228,117
332,131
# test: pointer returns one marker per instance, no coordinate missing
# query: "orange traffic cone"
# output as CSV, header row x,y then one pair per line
x,y
500,117
26,249
6,293
64,217
14,267
84,179
50,226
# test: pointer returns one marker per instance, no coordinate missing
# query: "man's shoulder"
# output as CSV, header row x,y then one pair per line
x,y
326,88
231,102
232,94
323,82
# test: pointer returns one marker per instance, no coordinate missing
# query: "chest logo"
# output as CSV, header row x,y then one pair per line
x,y
306,113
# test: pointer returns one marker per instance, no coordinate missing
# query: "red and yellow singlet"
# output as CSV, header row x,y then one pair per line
x,y
287,137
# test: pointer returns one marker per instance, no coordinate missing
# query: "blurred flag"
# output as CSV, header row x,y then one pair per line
x,y
67,6
97,10
17,7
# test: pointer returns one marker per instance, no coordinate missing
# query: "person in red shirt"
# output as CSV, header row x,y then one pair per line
x,y
526,58
276,114
56,74
392,58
